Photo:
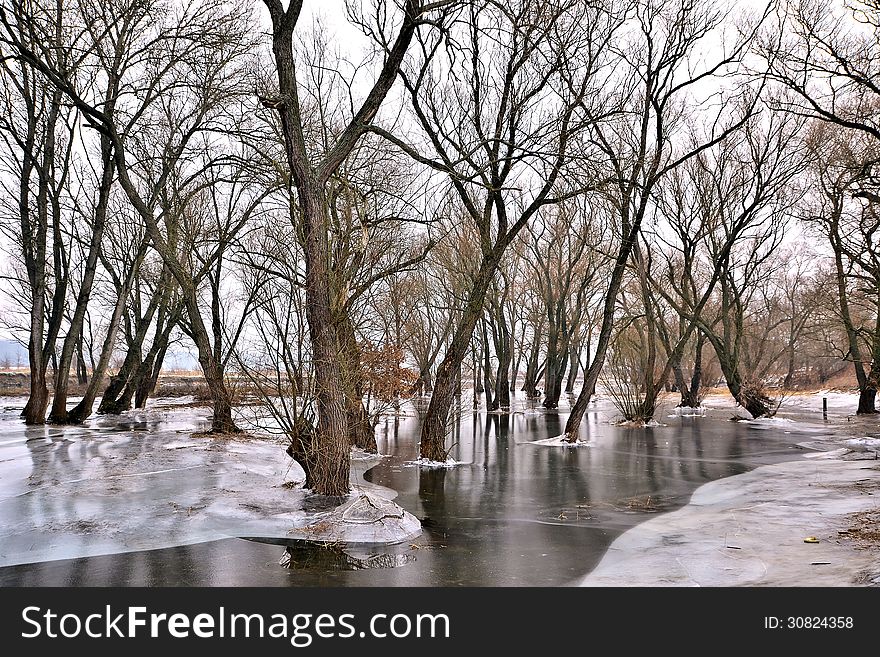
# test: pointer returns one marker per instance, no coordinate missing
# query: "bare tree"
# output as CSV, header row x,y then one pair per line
x,y
38,130
826,54
325,454
657,80
527,71
843,208
565,261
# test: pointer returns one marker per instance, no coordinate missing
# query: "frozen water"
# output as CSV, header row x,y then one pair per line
x,y
748,530
515,515
770,420
139,481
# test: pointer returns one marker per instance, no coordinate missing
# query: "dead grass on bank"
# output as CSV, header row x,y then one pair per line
x,y
864,529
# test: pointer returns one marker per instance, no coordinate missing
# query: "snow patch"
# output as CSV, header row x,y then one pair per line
x,y
832,454
770,420
358,454
863,444
689,411
638,424
560,441
428,463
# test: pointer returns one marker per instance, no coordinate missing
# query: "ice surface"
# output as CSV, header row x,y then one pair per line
x,y
748,530
141,481
829,454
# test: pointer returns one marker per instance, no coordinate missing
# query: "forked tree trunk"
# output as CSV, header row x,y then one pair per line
x,y
34,238
115,399
504,354
689,390
749,396
533,370
557,362
488,384
325,454
146,384
83,409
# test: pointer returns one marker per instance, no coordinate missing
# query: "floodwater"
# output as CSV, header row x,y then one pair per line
x,y
513,513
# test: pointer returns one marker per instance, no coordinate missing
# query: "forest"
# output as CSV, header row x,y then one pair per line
x,y
339,207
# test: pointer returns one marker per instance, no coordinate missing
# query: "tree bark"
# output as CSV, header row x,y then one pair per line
x,y
360,428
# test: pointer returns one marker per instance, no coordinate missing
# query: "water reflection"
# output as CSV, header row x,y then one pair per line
x,y
311,556
514,513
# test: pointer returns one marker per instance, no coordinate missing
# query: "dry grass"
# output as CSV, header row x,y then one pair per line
x,y
864,529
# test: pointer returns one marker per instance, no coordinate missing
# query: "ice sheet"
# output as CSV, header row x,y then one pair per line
x,y
141,480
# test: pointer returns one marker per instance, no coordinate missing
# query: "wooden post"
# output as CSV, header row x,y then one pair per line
x,y
824,408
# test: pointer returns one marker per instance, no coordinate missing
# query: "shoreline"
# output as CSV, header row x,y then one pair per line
x,y
749,530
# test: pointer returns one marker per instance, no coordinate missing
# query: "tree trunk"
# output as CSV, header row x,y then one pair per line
x,y
152,368
868,391
425,385
504,354
325,456
789,374
38,400
115,399
866,398
682,386
697,375
690,390
554,372
82,374
747,395
591,376
362,433
488,385
83,409
533,374
59,414
34,240
574,362
111,401
433,434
